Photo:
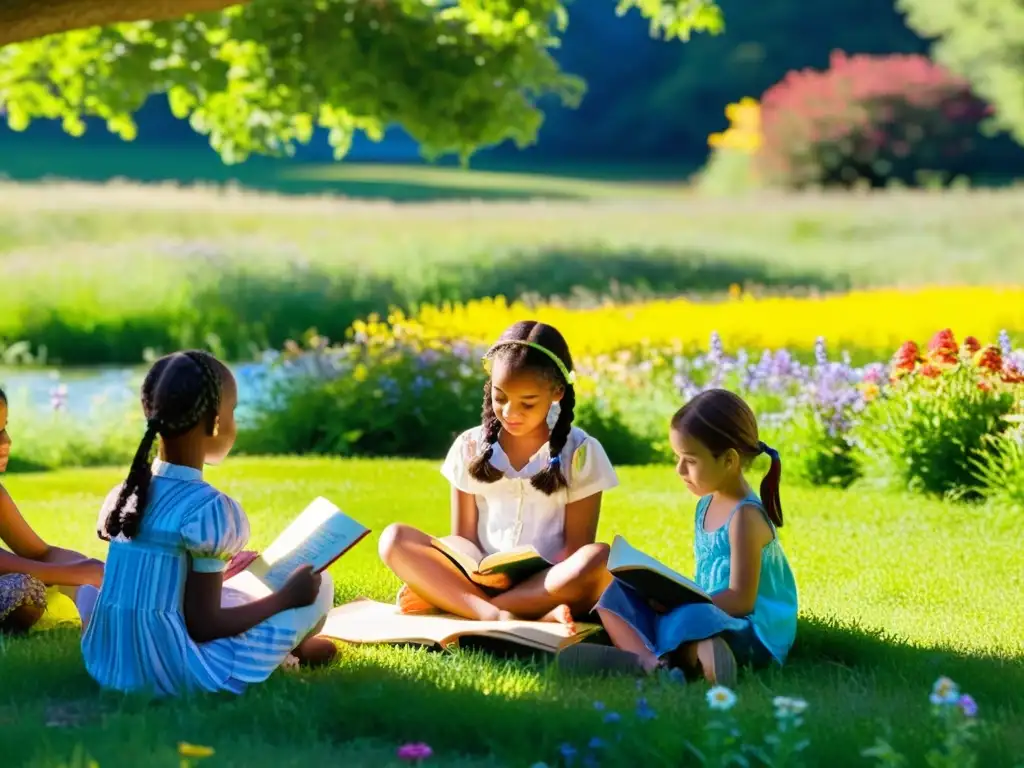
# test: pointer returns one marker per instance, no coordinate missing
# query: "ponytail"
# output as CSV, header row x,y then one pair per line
x,y
480,468
770,485
552,478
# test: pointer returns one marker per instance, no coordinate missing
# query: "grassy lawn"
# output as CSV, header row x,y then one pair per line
x,y
895,591
100,273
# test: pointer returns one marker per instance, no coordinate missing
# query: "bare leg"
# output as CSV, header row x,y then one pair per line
x,y
626,638
569,588
432,576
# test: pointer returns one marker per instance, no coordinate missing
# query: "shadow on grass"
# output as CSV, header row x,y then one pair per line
x,y
245,309
471,704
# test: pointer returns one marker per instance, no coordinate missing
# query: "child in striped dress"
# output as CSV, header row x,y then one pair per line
x,y
164,622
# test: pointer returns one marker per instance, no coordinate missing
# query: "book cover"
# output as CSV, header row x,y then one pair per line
x,y
651,578
368,621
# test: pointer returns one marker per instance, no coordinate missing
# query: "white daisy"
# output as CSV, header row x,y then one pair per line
x,y
721,698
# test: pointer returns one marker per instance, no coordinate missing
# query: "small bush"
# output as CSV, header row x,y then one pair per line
x,y
1000,469
929,429
868,119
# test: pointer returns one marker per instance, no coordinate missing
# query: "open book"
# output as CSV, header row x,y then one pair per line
x,y
652,579
519,564
367,621
317,537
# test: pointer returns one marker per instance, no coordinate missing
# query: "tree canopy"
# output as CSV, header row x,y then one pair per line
x,y
983,42
259,77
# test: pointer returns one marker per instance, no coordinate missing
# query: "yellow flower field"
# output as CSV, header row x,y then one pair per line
x,y
865,320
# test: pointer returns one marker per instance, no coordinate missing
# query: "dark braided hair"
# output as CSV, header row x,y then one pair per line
x,y
180,391
3,396
511,350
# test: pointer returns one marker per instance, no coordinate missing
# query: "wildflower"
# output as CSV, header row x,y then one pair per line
x,y
721,698
1005,346
59,397
644,711
193,750
788,707
971,346
612,718
599,706
989,359
930,371
568,753
414,753
968,705
945,691
985,386
869,390
905,359
1012,373
943,349
596,743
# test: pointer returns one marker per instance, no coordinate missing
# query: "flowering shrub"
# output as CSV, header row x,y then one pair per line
x,y
931,426
868,118
387,391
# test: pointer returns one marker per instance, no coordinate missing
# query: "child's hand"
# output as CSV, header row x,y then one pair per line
x,y
239,563
89,572
301,588
500,581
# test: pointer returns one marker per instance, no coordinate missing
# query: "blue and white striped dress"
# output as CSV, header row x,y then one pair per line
x,y
136,640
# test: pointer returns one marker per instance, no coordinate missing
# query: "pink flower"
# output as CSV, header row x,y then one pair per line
x,y
414,753
968,705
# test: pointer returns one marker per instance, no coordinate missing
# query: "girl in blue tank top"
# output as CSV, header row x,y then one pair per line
x,y
739,562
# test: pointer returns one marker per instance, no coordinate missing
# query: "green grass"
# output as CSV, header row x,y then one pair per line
x,y
101,273
894,592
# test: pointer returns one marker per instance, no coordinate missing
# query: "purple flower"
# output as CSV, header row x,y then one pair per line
x,y
414,753
820,352
1004,343
968,705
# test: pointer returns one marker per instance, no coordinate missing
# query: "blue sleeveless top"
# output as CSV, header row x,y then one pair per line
x,y
775,609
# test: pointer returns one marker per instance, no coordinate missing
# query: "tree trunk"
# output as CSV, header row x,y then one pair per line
x,y
27,19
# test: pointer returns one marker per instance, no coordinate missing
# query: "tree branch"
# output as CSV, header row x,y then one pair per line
x,y
28,19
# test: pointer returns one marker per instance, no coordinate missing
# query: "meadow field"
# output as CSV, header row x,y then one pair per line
x,y
895,591
798,301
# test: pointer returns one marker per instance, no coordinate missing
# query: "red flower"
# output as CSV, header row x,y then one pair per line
x,y
971,346
906,358
985,386
989,359
930,371
943,349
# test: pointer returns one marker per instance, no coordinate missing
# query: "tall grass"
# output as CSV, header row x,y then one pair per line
x,y
101,274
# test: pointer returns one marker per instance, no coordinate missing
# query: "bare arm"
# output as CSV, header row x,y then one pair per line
x,y
465,516
749,533
581,519
33,556
206,620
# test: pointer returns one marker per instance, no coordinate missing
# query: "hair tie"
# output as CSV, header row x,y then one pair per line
x,y
154,424
763,447
556,461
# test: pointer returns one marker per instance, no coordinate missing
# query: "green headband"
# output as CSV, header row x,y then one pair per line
x,y
570,376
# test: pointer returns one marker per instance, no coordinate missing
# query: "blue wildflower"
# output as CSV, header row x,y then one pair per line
x,y
644,711
596,743
568,753
612,718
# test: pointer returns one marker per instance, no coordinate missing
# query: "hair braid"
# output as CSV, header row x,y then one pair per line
x,y
552,478
179,391
480,468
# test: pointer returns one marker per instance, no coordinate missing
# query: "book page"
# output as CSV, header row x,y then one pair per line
x,y
368,621
625,557
317,537
461,551
518,555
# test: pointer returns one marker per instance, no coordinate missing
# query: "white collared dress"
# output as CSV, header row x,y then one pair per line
x,y
512,513
136,639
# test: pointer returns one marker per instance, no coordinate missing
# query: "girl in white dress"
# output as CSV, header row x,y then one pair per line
x,y
164,623
515,482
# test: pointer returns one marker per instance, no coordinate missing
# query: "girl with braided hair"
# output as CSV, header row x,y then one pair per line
x,y
164,622
32,564
516,480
